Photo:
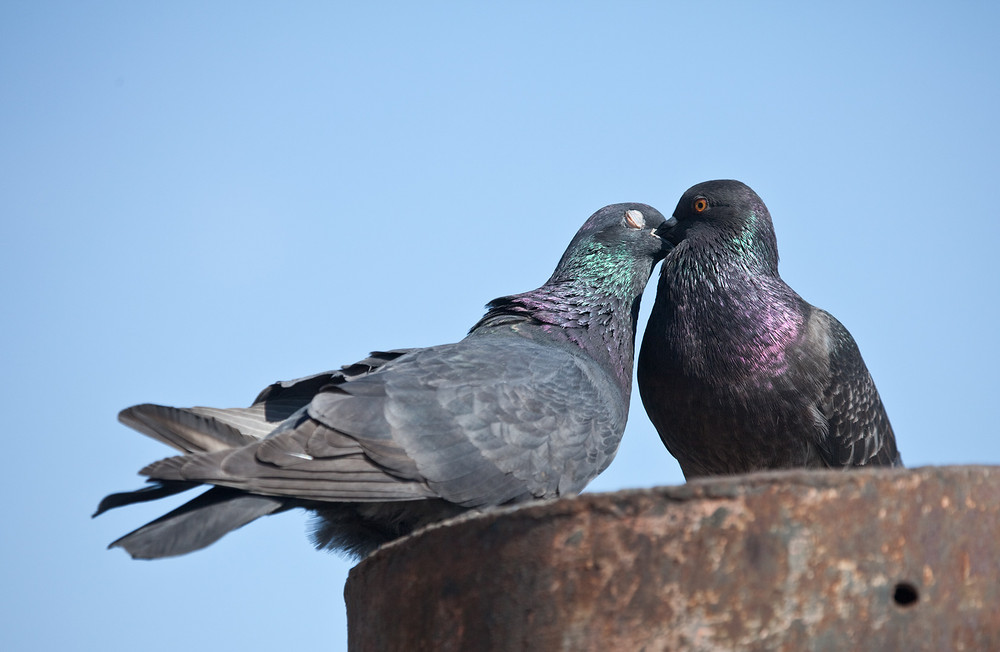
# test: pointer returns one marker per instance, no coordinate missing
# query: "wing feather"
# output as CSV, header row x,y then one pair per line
x,y
858,429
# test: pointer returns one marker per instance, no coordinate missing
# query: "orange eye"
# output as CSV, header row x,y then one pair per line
x,y
700,205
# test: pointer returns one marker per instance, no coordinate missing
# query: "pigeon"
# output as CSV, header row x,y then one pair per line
x,y
530,405
737,372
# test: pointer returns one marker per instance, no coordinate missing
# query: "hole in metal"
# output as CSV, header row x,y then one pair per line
x,y
905,594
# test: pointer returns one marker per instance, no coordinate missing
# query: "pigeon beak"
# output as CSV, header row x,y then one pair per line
x,y
661,232
664,229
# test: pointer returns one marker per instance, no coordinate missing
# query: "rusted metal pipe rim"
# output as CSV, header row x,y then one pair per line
x,y
887,559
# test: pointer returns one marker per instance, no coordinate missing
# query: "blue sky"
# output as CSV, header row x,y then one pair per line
x,y
196,201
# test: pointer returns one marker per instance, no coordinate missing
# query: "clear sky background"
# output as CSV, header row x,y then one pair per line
x,y
197,199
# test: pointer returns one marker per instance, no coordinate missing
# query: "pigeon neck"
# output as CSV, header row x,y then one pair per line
x,y
602,325
754,315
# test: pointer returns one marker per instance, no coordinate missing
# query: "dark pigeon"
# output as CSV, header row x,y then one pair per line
x,y
737,372
531,404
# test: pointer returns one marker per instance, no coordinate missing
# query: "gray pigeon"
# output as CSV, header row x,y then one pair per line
x,y
531,404
737,372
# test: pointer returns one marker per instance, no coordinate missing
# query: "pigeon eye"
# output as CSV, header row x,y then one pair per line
x,y
634,219
700,205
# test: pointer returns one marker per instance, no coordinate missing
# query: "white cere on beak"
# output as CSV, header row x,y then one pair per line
x,y
635,219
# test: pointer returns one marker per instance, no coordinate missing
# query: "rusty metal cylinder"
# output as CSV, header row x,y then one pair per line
x,y
862,560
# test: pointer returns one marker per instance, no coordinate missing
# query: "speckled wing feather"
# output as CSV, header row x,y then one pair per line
x,y
490,419
859,430
300,391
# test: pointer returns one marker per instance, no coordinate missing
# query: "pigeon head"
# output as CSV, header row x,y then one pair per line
x,y
612,241
726,217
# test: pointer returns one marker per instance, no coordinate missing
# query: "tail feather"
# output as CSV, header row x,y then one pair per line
x,y
183,429
158,489
198,523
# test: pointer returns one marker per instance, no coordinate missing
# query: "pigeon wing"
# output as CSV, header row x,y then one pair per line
x,y
488,420
859,433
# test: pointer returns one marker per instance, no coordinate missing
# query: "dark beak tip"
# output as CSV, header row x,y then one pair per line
x,y
666,227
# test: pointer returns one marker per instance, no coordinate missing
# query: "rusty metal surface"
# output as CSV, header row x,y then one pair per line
x,y
866,560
